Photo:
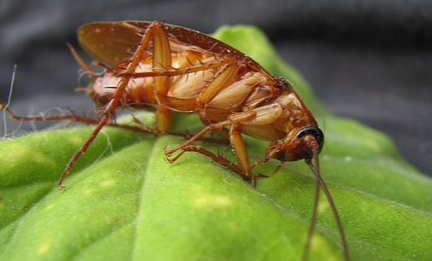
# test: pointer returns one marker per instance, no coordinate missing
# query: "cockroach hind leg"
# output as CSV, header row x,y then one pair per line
x,y
109,111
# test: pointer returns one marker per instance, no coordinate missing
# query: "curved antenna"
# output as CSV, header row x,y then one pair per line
x,y
81,62
314,213
315,170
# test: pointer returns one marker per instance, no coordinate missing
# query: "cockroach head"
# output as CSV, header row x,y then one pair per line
x,y
300,144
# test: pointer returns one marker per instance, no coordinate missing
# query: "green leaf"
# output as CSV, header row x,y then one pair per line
x,y
124,202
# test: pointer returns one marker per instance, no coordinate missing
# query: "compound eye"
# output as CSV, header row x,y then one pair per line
x,y
316,132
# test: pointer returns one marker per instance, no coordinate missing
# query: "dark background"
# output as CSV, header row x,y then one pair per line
x,y
366,59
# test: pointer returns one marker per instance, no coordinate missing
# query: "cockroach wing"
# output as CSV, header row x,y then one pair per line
x,y
113,42
110,43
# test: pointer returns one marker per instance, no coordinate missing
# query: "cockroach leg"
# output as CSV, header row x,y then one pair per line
x,y
216,85
213,88
259,176
163,118
256,177
162,61
271,150
236,140
239,149
217,158
224,162
114,103
91,121
87,120
143,127
234,120
175,158
75,118
198,136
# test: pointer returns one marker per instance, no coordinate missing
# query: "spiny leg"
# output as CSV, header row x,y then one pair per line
x,y
234,119
217,84
92,121
88,120
114,103
259,176
236,140
198,136
239,149
76,118
161,61
217,158
213,88
186,135
242,157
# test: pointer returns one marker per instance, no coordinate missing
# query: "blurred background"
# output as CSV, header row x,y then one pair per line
x,y
366,59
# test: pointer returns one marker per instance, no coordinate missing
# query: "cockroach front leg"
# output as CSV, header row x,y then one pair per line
x,y
260,176
198,136
217,158
239,148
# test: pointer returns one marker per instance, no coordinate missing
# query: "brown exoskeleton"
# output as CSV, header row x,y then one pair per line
x,y
176,70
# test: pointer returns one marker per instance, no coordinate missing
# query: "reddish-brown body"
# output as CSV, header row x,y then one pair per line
x,y
200,75
277,106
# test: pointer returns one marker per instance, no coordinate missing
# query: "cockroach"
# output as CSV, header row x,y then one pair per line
x,y
171,69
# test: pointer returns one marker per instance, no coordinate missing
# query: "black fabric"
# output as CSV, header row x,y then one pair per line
x,y
366,59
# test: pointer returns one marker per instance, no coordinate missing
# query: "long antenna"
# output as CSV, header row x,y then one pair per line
x,y
81,62
314,214
315,170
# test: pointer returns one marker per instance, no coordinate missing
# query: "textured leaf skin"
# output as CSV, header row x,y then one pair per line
x,y
124,202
